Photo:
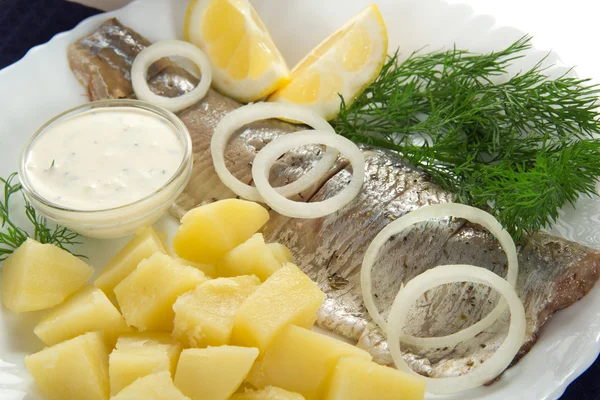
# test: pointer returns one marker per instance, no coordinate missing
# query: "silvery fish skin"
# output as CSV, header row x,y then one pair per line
x,y
554,273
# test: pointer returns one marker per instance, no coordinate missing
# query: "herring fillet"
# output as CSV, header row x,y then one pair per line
x,y
554,273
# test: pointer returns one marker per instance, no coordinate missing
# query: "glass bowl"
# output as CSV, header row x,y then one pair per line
x,y
127,218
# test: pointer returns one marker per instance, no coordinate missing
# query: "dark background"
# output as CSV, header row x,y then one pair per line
x,y
26,23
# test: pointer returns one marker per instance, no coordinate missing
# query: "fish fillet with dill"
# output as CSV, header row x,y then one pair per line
x,y
554,272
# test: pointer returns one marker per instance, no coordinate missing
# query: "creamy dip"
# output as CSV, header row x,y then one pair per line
x,y
104,158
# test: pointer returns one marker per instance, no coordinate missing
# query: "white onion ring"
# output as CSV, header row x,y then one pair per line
x,y
434,277
423,214
233,121
169,48
271,152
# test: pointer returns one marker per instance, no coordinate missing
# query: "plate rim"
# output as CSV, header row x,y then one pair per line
x,y
584,362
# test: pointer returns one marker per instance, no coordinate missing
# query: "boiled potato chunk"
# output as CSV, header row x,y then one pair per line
x,y
147,295
72,370
281,252
213,373
142,340
253,257
86,311
208,269
145,340
358,379
157,386
268,393
204,316
287,297
39,276
141,354
145,243
208,232
302,361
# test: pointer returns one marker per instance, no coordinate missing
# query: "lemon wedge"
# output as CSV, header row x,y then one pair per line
x,y
245,62
345,63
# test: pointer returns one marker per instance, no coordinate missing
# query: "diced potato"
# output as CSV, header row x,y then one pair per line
x,y
145,243
136,341
204,316
281,253
39,276
287,297
157,386
358,379
147,295
213,373
141,354
253,257
133,341
208,232
301,361
125,366
86,311
268,393
208,269
72,370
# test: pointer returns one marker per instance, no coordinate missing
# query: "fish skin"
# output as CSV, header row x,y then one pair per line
x,y
92,60
102,61
554,273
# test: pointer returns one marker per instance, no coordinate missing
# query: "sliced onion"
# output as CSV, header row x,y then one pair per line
x,y
233,121
170,48
271,152
434,277
423,214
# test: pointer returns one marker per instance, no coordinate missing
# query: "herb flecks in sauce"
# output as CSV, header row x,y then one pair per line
x,y
521,148
103,159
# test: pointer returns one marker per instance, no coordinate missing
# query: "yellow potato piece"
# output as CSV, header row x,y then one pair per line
x,y
213,373
143,245
147,295
268,393
72,370
85,311
288,297
157,386
302,361
208,232
204,316
145,340
358,379
253,257
141,354
142,340
208,269
281,253
39,276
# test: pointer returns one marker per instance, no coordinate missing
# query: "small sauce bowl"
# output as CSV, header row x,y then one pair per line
x,y
124,219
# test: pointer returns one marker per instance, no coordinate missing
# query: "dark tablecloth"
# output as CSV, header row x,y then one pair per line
x,y
26,23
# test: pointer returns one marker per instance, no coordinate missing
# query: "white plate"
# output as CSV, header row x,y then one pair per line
x,y
41,85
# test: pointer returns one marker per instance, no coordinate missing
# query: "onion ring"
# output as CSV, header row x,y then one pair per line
x,y
168,48
434,277
233,121
271,152
423,214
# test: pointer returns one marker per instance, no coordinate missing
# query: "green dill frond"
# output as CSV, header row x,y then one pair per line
x,y
521,146
12,236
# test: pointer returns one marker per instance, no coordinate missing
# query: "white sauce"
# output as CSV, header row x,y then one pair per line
x,y
104,158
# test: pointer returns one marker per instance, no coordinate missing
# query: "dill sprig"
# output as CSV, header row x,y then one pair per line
x,y
13,236
520,147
